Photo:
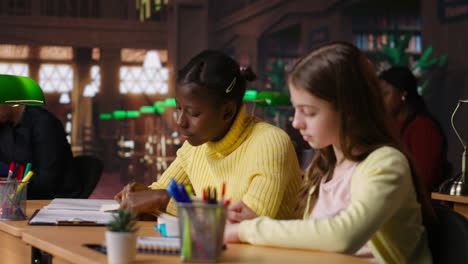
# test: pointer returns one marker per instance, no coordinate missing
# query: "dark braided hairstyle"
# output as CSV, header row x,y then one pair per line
x,y
219,74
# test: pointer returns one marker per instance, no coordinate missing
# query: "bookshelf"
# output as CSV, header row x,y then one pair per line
x,y
378,23
371,32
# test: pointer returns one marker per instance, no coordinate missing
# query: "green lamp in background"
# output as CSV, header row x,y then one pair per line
x,y
119,114
273,98
250,95
133,114
160,107
147,109
105,116
170,102
20,90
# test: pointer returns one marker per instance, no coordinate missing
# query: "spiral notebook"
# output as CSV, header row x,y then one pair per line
x,y
158,245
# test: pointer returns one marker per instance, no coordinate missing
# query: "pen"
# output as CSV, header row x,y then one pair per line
x,y
204,197
27,169
19,174
183,194
21,186
213,199
188,189
10,171
223,190
173,191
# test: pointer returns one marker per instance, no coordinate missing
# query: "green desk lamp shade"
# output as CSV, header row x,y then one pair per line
x,y
250,95
147,109
105,116
170,102
20,90
133,114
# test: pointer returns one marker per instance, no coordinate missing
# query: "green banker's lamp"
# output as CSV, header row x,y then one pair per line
x,y
460,185
20,90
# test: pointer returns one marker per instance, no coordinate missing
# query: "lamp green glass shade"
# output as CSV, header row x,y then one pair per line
x,y
133,114
119,114
250,95
105,116
20,90
273,99
160,107
170,102
147,109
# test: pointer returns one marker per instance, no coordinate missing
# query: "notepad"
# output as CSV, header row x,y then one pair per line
x,y
73,212
159,245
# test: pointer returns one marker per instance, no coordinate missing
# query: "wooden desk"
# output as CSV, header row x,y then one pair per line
x,y
12,248
65,245
460,203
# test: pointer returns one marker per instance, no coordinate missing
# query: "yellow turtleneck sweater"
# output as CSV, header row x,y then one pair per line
x,y
255,159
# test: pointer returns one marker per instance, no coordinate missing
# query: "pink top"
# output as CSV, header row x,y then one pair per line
x,y
335,196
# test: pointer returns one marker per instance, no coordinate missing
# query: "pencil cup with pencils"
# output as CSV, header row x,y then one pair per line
x,y
13,200
201,230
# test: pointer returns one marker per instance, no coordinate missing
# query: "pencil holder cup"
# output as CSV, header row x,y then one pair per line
x,y
13,200
201,228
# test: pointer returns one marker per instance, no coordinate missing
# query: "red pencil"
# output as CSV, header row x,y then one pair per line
x,y
10,171
223,190
204,194
19,175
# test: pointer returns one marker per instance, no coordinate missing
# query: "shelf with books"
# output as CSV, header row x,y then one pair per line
x,y
375,41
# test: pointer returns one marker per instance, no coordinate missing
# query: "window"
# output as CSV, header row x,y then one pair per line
x,y
137,80
92,88
20,69
56,78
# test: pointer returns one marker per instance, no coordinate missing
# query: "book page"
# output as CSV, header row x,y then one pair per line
x,y
109,207
54,216
79,204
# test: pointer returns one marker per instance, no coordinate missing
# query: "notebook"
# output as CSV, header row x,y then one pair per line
x,y
148,245
161,245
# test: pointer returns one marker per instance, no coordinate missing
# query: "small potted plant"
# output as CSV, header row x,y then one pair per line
x,y
121,237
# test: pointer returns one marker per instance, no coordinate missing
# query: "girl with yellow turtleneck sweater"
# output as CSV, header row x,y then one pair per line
x,y
256,160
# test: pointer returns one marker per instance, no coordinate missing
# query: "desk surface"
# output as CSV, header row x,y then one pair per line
x,y
66,243
450,198
16,228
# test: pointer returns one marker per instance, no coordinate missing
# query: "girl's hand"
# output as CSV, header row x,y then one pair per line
x,y
146,201
231,233
131,187
238,212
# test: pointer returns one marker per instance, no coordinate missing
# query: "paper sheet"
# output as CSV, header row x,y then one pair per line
x,y
80,204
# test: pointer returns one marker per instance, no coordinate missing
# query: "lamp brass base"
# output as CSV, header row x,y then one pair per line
x,y
458,188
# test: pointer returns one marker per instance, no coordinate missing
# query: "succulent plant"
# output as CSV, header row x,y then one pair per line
x,y
123,221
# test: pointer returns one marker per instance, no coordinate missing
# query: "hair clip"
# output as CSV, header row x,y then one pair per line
x,y
231,86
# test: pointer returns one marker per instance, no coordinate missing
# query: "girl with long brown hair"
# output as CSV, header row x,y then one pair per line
x,y
359,194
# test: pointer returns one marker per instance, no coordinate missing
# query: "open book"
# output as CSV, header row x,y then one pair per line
x,y
74,212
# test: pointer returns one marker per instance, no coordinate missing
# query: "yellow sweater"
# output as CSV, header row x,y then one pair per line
x,y
255,159
383,212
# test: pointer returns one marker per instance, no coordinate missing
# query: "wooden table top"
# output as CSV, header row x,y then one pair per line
x,y
66,242
450,198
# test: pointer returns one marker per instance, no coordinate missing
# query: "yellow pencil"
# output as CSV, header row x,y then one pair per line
x,y
23,182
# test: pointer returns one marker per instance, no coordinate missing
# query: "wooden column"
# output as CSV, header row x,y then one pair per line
x,y
109,100
81,106
187,34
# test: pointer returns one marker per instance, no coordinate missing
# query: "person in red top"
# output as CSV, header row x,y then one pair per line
x,y
419,132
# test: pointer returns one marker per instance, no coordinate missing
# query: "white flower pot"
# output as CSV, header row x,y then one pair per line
x,y
121,247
